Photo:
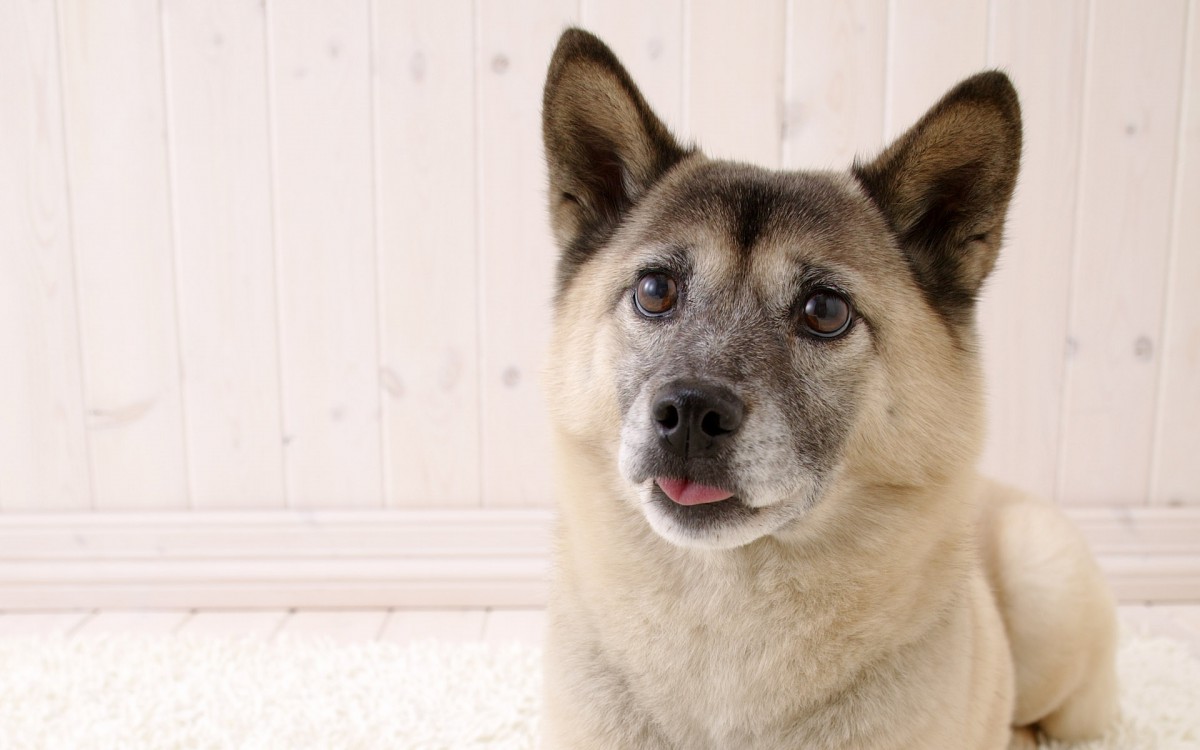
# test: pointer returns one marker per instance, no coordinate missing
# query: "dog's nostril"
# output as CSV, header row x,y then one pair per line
x,y
711,424
667,416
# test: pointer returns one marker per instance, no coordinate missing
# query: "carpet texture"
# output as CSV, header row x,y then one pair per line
x,y
179,692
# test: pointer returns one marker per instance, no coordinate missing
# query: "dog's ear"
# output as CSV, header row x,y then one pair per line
x,y
944,188
604,145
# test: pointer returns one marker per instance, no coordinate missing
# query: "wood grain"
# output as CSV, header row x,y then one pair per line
x,y
220,155
119,188
320,65
932,45
835,82
1176,475
1131,121
43,446
735,76
516,253
1024,307
429,291
287,256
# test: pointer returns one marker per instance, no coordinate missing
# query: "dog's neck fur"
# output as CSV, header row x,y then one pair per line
x,y
605,544
719,625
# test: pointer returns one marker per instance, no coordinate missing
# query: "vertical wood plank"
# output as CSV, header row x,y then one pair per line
x,y
320,83
735,80
1042,46
43,449
516,252
425,126
1176,477
647,36
113,75
216,83
1130,127
836,76
932,45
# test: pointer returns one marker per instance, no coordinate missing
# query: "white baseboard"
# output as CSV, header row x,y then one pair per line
x,y
406,558
274,559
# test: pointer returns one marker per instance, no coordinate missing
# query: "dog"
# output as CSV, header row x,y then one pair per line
x,y
764,389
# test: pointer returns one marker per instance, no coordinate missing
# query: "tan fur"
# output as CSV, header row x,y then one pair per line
x,y
908,603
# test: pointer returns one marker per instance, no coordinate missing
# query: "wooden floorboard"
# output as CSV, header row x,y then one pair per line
x,y
1180,622
343,626
236,623
133,622
453,625
42,623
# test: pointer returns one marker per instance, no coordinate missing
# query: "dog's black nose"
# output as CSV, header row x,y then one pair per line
x,y
695,417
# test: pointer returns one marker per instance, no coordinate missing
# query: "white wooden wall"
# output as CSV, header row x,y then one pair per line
x,y
292,257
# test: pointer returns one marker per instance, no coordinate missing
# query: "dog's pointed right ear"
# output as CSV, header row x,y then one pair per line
x,y
944,187
605,147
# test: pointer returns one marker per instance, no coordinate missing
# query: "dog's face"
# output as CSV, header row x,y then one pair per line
x,y
734,342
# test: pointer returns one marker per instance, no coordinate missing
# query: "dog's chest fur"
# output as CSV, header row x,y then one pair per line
x,y
761,648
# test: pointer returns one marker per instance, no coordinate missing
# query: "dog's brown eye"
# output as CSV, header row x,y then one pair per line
x,y
826,314
655,294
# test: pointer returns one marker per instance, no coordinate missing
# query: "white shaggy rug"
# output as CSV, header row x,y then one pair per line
x,y
181,692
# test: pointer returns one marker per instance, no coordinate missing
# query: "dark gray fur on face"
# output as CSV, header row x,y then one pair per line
x,y
740,330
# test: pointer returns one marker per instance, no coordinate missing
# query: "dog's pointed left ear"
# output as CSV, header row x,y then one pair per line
x,y
945,185
604,145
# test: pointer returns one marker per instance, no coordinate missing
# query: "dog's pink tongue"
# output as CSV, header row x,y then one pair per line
x,y
691,493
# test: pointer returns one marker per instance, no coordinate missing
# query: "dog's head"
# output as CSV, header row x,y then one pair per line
x,y
738,342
